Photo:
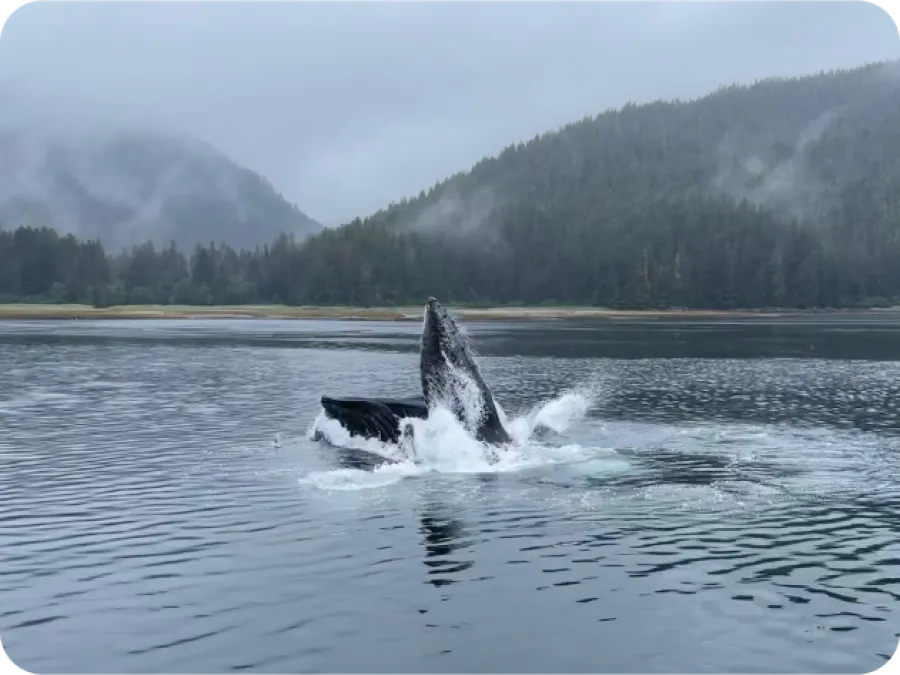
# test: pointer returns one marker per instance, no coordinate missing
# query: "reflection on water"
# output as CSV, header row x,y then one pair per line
x,y
733,505
850,394
442,536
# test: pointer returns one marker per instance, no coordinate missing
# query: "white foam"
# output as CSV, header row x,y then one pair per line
x,y
357,479
561,413
442,444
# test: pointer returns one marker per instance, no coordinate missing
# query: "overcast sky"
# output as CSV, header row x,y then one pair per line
x,y
347,106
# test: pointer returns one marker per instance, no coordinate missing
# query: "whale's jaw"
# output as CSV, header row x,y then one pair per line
x,y
377,418
451,377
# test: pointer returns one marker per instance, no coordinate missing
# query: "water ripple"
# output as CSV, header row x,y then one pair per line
x,y
150,523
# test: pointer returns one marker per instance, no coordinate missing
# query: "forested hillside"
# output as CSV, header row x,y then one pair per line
x,y
785,193
125,188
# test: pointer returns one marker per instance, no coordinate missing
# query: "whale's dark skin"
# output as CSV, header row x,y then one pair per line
x,y
366,417
442,351
374,417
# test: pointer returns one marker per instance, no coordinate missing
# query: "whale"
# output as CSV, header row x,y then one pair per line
x,y
377,418
450,377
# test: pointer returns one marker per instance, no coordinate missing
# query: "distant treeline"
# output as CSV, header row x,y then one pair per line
x,y
697,253
782,194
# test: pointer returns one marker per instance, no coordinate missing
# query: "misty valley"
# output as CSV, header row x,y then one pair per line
x,y
780,194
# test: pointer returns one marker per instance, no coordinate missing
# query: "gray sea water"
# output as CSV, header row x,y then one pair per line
x,y
719,496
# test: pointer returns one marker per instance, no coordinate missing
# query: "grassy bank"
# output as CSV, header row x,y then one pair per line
x,y
40,311
411,313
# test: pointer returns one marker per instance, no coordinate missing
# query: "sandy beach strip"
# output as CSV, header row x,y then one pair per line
x,y
410,313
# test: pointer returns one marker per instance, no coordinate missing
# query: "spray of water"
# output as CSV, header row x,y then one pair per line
x,y
460,394
442,444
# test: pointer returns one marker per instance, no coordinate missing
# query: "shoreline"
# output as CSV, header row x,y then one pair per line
x,y
410,313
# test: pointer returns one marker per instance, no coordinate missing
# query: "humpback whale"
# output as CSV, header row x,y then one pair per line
x,y
377,418
449,376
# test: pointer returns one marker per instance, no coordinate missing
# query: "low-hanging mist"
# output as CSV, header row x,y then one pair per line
x,y
782,194
126,186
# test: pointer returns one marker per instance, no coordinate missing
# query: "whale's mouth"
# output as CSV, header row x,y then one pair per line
x,y
333,407
342,409
377,418
362,417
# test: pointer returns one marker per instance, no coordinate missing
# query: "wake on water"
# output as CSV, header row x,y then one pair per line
x,y
442,444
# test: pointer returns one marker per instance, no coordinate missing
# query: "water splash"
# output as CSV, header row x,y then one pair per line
x,y
460,394
443,444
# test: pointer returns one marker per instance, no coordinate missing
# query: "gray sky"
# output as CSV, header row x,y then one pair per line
x,y
347,106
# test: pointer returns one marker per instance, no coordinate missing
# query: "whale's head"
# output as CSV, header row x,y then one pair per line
x,y
442,344
450,375
445,361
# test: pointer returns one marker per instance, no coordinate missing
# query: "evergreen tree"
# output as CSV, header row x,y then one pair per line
x,y
782,194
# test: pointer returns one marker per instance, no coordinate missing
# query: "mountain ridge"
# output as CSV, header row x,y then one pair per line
x,y
785,193
620,208
740,134
127,186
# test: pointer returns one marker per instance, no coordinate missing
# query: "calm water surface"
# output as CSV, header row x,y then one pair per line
x,y
729,502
